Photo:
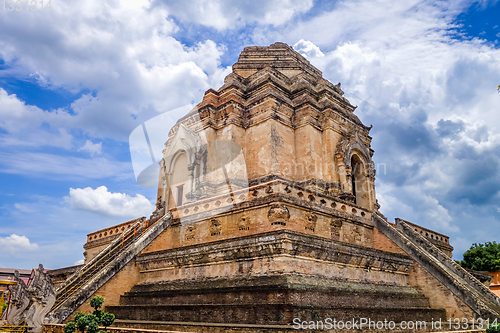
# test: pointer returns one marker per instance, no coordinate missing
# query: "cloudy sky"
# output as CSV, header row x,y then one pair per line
x,y
78,77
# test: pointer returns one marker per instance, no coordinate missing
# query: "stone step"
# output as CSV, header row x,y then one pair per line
x,y
204,327
59,328
390,297
267,313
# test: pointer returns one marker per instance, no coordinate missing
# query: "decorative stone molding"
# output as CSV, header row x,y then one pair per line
x,y
276,243
111,231
288,192
278,214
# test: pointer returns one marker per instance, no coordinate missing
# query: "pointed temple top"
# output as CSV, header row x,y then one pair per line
x,y
279,56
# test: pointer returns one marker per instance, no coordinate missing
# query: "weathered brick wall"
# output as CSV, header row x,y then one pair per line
x,y
381,242
439,296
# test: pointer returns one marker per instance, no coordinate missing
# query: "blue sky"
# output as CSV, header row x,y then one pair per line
x,y
76,80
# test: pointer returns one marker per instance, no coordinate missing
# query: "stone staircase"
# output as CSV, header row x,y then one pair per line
x,y
465,286
78,288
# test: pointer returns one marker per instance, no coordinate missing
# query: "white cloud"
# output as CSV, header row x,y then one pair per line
x,y
16,116
91,148
308,49
122,53
104,202
423,209
23,122
227,14
16,244
24,208
79,262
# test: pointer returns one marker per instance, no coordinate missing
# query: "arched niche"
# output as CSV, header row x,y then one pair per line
x,y
179,178
361,186
181,167
356,171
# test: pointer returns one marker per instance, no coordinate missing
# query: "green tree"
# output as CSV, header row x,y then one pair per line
x,y
89,323
492,328
482,257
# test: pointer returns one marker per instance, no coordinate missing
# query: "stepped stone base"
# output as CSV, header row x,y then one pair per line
x,y
242,328
272,300
258,288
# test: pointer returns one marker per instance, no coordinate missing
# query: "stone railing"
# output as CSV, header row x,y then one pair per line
x,y
111,231
441,241
284,190
84,284
445,260
457,280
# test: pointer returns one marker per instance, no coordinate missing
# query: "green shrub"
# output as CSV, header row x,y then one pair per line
x,y
493,328
107,319
96,302
90,322
70,327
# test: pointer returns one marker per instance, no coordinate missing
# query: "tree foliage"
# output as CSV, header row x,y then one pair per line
x,y
89,323
482,257
493,328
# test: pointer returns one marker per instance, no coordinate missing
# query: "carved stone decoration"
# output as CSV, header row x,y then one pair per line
x,y
43,294
19,302
244,222
159,212
159,203
190,232
311,220
215,227
356,234
335,229
278,214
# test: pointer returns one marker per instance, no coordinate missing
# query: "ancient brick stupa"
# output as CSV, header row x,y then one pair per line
x,y
267,212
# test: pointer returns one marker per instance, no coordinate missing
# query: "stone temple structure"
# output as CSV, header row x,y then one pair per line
x,y
267,212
